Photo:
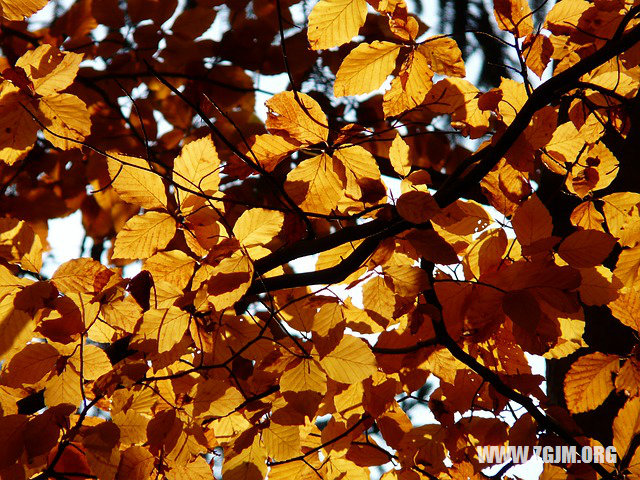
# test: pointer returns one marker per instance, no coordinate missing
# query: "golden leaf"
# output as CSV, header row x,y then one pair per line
x,y
304,122
306,375
514,16
622,212
93,363
256,228
281,441
628,266
399,156
589,381
334,22
196,169
143,235
18,130
174,266
166,325
269,150
248,464
50,70
64,115
626,307
19,9
628,378
410,87
351,361
81,275
135,182
443,56
314,184
63,388
366,68
230,280
626,426
16,326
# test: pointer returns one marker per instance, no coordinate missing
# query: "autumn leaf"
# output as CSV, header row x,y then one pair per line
x,y
366,68
14,10
589,381
315,185
297,116
135,182
334,22
143,235
351,361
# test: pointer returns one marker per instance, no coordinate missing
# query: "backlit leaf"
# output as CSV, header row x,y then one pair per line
x,y
135,182
143,235
589,381
351,361
334,22
366,68
302,119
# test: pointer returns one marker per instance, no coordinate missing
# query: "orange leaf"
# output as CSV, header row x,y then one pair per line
x,y
589,381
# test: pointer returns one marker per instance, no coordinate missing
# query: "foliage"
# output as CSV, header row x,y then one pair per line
x,y
515,229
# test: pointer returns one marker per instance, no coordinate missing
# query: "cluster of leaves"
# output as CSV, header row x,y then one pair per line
x,y
219,345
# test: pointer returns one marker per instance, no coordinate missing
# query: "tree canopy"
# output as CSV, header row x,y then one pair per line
x,y
389,230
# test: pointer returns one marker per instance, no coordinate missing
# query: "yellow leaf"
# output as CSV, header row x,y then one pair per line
x,y
622,212
20,244
196,169
19,9
628,267
626,425
248,464
143,235
135,182
314,184
589,381
167,326
514,16
16,327
408,281
215,398
626,308
399,156
63,388
174,266
18,130
628,378
281,441
64,115
564,146
366,68
132,426
443,56
257,227
306,375
334,22
230,280
328,317
82,275
304,122
94,363
361,171
269,150
586,216
50,70
409,87
350,362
